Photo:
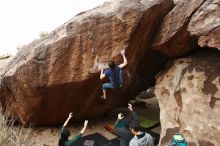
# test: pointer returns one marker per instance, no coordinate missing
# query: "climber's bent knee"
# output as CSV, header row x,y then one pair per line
x,y
107,86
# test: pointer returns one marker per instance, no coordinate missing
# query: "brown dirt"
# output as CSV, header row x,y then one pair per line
x,y
48,136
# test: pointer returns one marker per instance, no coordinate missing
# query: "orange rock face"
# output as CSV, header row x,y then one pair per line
x,y
59,74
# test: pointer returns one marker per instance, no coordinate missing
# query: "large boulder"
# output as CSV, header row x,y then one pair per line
x,y
205,24
188,25
59,73
189,98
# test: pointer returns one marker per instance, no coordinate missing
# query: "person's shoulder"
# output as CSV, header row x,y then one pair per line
x,y
107,70
117,66
149,137
133,141
147,134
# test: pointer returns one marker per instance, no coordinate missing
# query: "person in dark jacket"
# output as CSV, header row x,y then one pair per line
x,y
65,133
122,126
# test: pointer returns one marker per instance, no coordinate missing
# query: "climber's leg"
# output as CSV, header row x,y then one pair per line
x,y
106,86
104,94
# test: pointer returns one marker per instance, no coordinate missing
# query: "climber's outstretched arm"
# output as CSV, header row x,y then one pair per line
x,y
133,113
85,126
125,61
67,120
102,75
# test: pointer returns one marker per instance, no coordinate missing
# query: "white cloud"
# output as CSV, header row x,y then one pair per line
x,y
23,20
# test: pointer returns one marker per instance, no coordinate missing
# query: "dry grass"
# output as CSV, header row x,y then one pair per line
x,y
11,135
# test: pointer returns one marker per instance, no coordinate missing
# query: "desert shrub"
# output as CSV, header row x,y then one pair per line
x,y
43,34
11,135
2,57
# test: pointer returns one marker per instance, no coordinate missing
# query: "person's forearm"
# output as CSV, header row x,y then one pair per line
x,y
102,75
134,115
118,123
83,130
66,122
125,60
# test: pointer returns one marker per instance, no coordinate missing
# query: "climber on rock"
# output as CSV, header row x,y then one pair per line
x,y
114,73
65,133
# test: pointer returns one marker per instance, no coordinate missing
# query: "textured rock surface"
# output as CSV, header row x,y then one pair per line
x,y
5,59
59,74
189,97
173,38
205,24
190,23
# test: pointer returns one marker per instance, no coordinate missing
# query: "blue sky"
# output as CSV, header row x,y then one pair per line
x,y
23,20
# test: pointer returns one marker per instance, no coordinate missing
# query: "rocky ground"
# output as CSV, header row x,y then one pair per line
x,y
48,136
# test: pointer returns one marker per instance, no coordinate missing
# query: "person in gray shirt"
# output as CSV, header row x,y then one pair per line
x,y
140,138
